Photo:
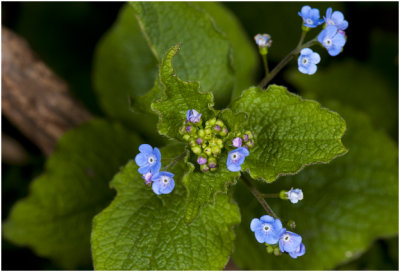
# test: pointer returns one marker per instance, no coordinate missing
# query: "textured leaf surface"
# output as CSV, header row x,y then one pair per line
x,y
347,204
179,97
245,57
124,67
205,56
354,84
55,219
141,230
203,187
289,132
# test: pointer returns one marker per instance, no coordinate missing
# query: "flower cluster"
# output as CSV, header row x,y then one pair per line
x,y
149,162
332,37
205,141
278,240
208,141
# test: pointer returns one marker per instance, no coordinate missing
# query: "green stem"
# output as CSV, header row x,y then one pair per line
x,y
270,195
175,161
264,57
259,197
286,60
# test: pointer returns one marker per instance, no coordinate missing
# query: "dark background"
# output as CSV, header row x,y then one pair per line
x,y
64,35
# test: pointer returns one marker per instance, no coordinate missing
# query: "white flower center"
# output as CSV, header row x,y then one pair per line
x,y
286,237
328,42
165,179
267,227
151,160
309,21
330,22
305,60
235,156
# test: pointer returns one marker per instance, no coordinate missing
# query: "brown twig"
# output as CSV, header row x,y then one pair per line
x,y
34,99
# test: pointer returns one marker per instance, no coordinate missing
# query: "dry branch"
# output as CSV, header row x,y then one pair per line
x,y
34,99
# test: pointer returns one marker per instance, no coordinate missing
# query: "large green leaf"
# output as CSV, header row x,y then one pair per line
x,y
205,52
347,204
125,67
354,84
55,219
179,97
141,230
289,132
245,57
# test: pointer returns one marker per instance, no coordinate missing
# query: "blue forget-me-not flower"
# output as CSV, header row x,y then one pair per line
x,y
332,40
300,251
148,159
236,158
163,183
267,229
289,242
263,40
193,116
307,61
310,17
294,195
335,19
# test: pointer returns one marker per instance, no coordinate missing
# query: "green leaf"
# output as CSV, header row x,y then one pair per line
x,y
203,187
143,231
179,97
245,57
355,84
347,204
55,219
124,67
205,56
289,132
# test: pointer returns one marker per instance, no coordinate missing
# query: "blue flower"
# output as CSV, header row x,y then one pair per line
x,y
236,158
310,17
193,116
267,229
335,19
308,61
294,195
163,183
289,242
300,251
148,159
263,40
332,40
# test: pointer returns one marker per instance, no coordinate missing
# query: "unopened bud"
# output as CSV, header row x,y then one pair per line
x,y
186,137
237,142
291,224
249,134
212,162
201,133
216,150
250,143
277,252
208,151
204,168
196,150
199,141
217,128
220,123
223,132
201,160
269,249
182,130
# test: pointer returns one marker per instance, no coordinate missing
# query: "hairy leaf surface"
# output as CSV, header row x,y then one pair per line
x,y
141,230
347,203
289,132
55,219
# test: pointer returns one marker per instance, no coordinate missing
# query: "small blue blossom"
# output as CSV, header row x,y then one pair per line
x,y
308,61
335,19
294,195
236,158
193,116
300,251
163,183
289,242
267,229
332,40
310,17
263,40
148,159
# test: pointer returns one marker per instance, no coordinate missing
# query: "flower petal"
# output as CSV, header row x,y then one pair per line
x,y
145,148
255,224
